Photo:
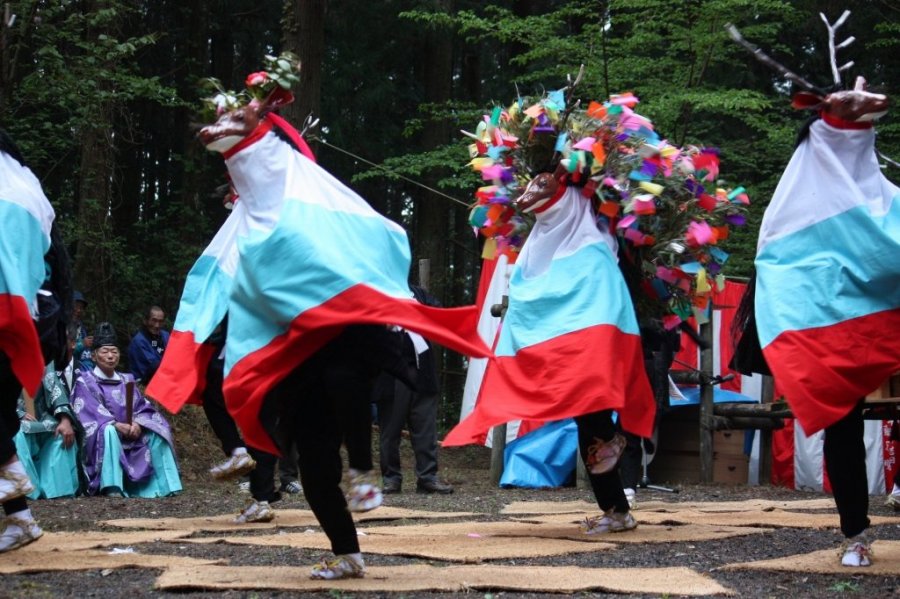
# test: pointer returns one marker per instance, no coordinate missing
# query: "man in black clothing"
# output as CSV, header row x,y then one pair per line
x,y
400,405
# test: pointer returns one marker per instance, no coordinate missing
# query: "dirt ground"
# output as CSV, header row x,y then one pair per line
x,y
467,470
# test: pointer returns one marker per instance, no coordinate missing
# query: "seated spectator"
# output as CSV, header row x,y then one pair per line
x,y
50,441
147,346
132,457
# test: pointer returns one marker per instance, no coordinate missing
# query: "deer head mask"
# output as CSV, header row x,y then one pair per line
x,y
235,125
541,190
854,105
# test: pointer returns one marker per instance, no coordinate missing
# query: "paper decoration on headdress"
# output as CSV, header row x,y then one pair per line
x,y
276,79
663,201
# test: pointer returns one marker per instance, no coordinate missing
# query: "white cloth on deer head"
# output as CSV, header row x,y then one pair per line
x,y
561,230
832,171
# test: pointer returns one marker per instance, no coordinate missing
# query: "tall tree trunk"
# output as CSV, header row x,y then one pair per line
x,y
432,214
11,47
93,262
196,65
304,35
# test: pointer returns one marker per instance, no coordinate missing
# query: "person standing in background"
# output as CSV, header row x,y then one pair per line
x,y
147,346
400,405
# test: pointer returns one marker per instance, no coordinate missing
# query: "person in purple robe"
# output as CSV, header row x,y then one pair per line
x,y
123,457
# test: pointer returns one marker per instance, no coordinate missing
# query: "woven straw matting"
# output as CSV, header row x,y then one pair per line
x,y
283,519
423,578
644,533
478,541
450,548
74,541
768,519
885,562
562,507
18,562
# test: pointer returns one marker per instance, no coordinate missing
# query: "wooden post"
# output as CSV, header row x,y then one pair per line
x,y
765,436
706,405
498,448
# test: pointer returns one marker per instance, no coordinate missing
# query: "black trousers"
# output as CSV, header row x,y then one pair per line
x,y
400,406
9,419
320,400
262,478
356,421
631,464
607,487
287,463
220,420
9,425
845,463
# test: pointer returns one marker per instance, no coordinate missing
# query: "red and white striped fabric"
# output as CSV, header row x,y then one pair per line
x,y
492,286
798,462
725,304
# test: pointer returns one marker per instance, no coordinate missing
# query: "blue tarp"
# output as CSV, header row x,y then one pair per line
x,y
692,397
546,457
543,458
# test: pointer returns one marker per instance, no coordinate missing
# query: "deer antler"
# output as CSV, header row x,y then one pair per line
x,y
567,94
768,60
832,49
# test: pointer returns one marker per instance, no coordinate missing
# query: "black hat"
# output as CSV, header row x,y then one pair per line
x,y
79,297
104,335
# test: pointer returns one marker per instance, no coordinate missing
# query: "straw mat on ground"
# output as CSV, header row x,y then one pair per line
x,y
283,519
562,507
451,548
477,541
885,562
644,533
18,562
766,519
73,541
422,578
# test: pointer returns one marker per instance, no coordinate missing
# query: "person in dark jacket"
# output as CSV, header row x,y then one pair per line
x,y
146,349
400,405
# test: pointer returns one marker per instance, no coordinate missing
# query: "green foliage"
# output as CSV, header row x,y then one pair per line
x,y
128,70
83,75
844,586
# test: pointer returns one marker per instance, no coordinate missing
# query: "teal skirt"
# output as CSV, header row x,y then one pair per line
x,y
164,481
52,468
